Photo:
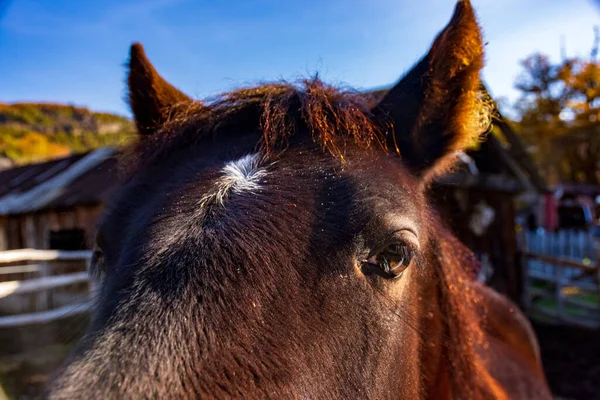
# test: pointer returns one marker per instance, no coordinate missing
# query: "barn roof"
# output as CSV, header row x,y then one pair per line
x,y
86,178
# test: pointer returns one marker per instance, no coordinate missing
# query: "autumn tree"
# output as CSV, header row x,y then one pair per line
x,y
559,112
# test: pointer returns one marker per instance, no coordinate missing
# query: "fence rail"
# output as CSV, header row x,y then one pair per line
x,y
10,256
39,284
561,277
56,284
43,317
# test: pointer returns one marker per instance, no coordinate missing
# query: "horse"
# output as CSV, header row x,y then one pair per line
x,y
277,242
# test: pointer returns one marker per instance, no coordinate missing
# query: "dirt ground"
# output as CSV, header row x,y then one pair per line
x,y
22,376
29,355
571,358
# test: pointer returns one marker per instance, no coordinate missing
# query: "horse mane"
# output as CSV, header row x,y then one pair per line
x,y
333,116
461,305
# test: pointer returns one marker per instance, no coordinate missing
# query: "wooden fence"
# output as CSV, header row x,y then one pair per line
x,y
561,277
40,286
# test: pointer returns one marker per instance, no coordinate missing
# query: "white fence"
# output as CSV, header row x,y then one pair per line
x,y
38,286
572,244
561,277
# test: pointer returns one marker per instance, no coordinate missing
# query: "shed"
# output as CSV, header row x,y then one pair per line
x,y
55,204
482,200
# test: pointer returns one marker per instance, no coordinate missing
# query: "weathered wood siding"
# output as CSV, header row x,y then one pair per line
x,y
33,230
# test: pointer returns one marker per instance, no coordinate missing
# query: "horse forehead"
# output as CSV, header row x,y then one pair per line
x,y
244,174
249,173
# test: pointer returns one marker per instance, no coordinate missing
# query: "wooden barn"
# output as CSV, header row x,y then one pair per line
x,y
482,199
46,295
55,204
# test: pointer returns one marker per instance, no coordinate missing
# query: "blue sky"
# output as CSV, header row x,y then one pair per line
x,y
73,51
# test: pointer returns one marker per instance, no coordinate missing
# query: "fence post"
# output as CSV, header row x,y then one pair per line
x,y
526,298
43,299
558,292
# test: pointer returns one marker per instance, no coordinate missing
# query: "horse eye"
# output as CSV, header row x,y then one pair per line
x,y
97,255
393,259
97,262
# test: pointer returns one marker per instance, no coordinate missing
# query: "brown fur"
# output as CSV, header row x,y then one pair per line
x,y
266,294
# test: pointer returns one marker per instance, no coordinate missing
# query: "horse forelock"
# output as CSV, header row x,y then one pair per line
x,y
460,306
332,116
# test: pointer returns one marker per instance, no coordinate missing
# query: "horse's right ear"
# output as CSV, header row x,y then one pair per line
x,y
437,109
151,98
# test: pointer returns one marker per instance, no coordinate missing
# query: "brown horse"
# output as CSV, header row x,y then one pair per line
x,y
276,242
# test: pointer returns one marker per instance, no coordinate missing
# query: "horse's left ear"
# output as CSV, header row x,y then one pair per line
x,y
151,98
436,109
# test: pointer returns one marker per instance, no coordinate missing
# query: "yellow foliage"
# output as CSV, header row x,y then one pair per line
x,y
30,147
